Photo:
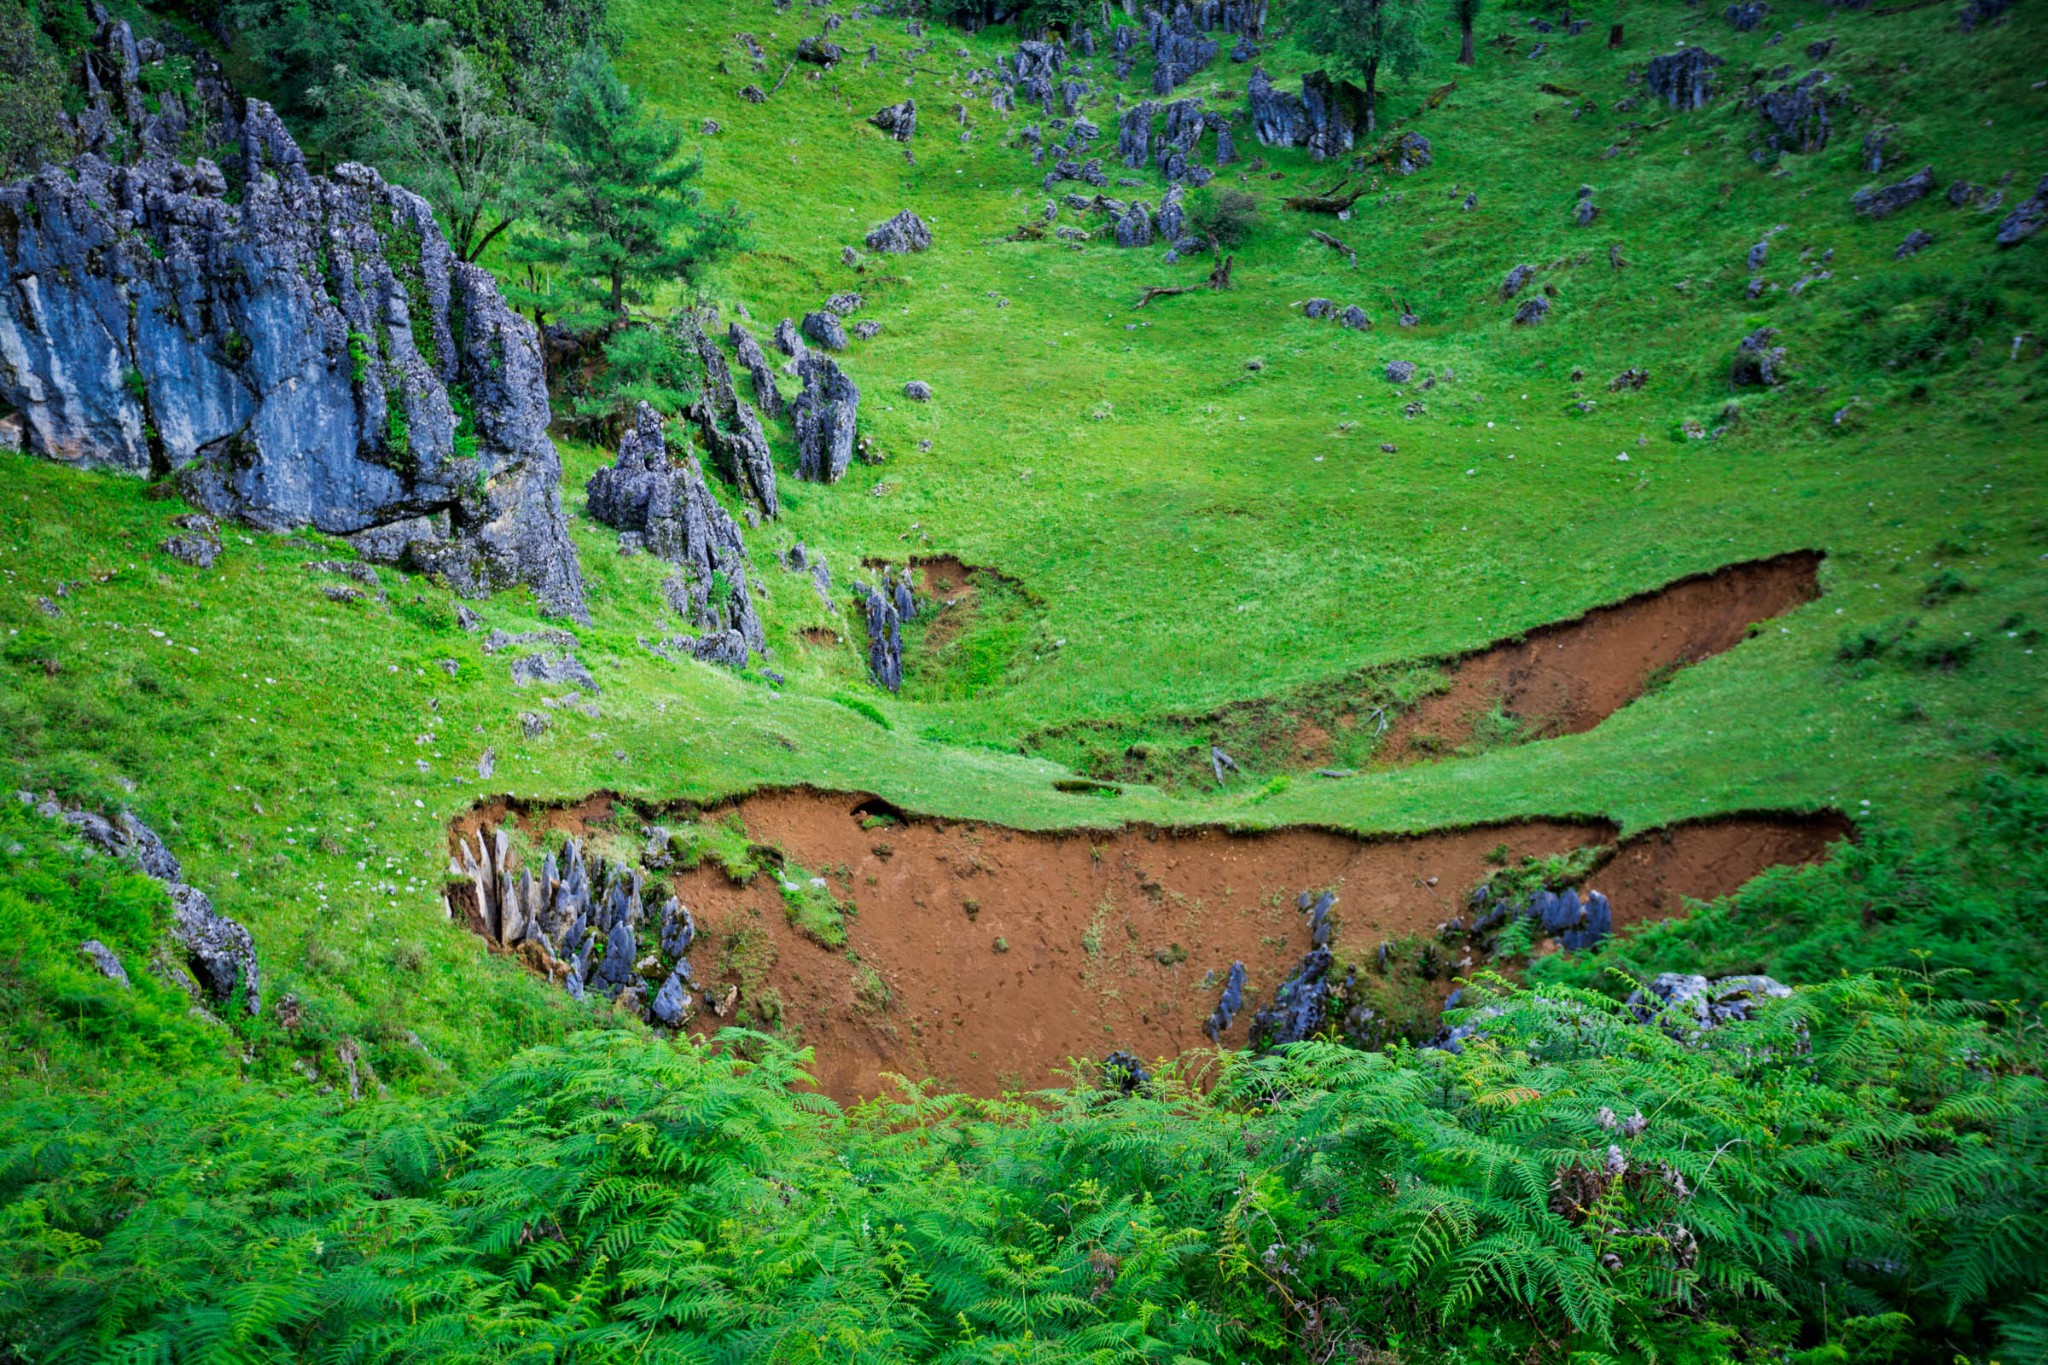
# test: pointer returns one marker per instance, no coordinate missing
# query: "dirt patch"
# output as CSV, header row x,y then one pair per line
x,y
986,958
819,637
1567,678
1558,680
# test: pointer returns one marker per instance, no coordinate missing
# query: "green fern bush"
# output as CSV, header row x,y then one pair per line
x,y
1577,1185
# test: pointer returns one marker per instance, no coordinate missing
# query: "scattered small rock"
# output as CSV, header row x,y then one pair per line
x,y
103,958
1916,242
1882,202
897,120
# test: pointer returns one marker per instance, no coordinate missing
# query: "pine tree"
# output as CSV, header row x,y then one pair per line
x,y
1466,12
1365,36
619,211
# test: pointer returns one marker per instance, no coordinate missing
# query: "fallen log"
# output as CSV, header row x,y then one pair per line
x,y
1219,278
1338,201
1327,240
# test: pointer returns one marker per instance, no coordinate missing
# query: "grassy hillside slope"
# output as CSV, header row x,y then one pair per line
x,y
1207,520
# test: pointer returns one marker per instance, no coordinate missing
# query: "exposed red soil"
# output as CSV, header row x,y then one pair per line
x,y
1569,677
1108,939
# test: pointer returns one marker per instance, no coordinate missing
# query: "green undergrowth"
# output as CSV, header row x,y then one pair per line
x,y
812,908
989,639
723,842
1575,1185
65,1020
1972,909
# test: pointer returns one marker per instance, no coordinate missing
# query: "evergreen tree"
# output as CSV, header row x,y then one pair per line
x,y
1364,36
619,213
1466,12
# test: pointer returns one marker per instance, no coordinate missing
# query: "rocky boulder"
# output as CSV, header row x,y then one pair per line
x,y
1404,153
823,328
905,232
884,618
219,952
1691,1003
105,962
2026,220
197,542
1747,17
897,120
302,350
748,351
1883,201
1683,79
1517,279
730,430
1134,134
1795,116
1325,118
1757,361
819,52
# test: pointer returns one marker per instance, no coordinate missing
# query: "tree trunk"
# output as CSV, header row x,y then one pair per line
x,y
619,293
1614,38
470,254
1372,80
1465,52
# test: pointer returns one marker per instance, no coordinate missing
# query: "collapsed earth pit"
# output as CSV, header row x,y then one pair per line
x,y
986,958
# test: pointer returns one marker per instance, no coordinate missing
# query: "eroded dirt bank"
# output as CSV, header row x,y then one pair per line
x,y
1567,678
987,957
1560,679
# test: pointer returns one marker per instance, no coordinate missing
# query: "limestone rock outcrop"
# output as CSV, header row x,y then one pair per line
x,y
729,428
219,952
668,504
300,350
825,415
1326,117
591,926
1683,79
